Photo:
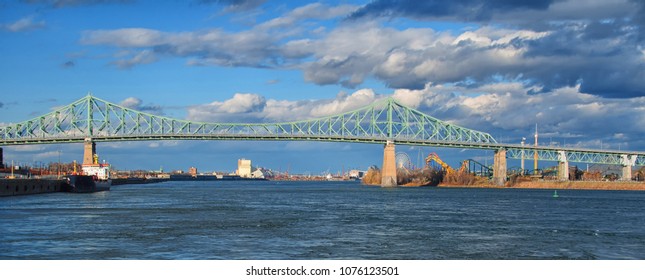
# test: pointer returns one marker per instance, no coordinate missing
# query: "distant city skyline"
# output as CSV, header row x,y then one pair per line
x,y
574,68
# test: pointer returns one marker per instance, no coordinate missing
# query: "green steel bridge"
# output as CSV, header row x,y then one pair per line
x,y
385,121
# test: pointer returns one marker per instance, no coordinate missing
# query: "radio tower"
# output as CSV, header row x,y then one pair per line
x,y
535,153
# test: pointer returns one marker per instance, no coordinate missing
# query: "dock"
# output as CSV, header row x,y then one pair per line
x,y
12,187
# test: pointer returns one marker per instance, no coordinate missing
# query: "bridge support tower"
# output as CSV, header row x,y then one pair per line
x,y
499,167
563,166
388,170
89,150
628,162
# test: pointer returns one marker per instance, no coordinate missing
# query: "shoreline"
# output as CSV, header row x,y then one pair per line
x,y
550,185
565,185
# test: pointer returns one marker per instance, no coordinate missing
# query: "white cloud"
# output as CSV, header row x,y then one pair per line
x,y
24,24
411,58
241,107
135,103
131,102
253,108
507,109
260,46
240,103
311,11
206,47
548,51
472,38
126,37
139,58
344,103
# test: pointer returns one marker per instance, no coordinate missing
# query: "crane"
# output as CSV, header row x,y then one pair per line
x,y
434,157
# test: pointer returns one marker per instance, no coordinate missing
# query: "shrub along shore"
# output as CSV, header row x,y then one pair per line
x,y
466,180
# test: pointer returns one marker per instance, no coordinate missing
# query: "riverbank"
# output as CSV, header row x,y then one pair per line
x,y
568,185
584,185
552,185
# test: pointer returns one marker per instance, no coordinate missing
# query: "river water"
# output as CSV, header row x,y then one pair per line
x,y
322,220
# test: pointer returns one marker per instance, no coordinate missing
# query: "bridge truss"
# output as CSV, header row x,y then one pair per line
x,y
573,155
385,120
92,117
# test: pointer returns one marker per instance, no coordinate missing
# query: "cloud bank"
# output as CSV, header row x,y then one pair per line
x,y
545,45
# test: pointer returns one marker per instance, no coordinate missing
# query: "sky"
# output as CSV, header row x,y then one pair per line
x,y
576,68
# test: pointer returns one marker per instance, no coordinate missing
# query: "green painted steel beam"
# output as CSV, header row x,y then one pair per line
x,y
384,120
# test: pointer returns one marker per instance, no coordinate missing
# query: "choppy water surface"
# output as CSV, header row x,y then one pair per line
x,y
322,220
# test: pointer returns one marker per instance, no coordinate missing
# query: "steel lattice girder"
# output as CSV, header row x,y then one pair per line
x,y
614,157
95,118
640,160
386,120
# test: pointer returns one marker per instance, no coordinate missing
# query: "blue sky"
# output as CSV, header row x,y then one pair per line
x,y
577,68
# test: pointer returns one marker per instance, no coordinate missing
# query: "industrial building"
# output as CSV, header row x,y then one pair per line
x,y
243,168
261,173
356,174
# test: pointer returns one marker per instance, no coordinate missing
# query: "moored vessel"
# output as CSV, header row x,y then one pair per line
x,y
95,177
86,184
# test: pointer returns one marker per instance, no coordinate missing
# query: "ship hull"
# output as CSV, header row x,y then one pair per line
x,y
86,184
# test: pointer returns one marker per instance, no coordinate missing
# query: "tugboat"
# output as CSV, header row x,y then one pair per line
x,y
94,178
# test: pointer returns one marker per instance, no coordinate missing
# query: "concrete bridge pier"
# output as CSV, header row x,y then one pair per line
x,y
563,166
628,162
499,167
388,170
89,150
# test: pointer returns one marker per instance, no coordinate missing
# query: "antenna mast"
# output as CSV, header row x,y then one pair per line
x,y
535,154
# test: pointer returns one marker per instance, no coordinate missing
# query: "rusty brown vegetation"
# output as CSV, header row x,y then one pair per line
x,y
592,176
433,177
463,178
419,177
640,174
425,177
581,185
373,177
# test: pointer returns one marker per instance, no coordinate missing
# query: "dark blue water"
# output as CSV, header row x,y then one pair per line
x,y
322,220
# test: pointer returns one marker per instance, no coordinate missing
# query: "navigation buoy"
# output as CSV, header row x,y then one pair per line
x,y
555,194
